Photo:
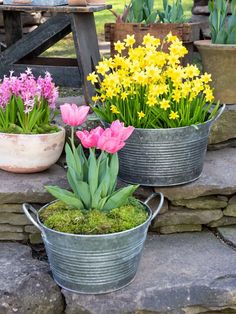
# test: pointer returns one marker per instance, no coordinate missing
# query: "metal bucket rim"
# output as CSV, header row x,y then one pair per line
x,y
147,221
62,130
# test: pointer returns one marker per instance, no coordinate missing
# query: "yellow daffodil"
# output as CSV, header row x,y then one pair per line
x,y
151,81
141,115
129,41
95,98
206,78
119,46
114,109
92,77
164,104
171,38
173,115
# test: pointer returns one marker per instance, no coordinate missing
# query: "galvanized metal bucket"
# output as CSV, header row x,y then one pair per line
x,y
94,264
165,157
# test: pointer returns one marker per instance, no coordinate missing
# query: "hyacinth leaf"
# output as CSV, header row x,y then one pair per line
x,y
65,196
92,172
119,197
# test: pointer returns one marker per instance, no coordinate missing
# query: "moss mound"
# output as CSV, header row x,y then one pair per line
x,y
58,216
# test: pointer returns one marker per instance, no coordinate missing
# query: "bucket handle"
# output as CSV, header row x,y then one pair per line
x,y
153,195
220,111
27,208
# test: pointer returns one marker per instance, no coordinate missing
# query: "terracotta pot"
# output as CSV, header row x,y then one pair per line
x,y
219,60
29,153
86,2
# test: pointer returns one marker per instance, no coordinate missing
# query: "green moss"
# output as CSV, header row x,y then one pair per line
x,y
60,217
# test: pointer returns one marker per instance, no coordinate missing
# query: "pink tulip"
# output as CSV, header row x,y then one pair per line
x,y
90,139
109,143
74,115
119,130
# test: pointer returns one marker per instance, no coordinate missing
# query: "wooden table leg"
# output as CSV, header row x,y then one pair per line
x,y
13,27
86,46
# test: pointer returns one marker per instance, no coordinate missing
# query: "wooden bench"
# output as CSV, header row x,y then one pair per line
x,y
23,51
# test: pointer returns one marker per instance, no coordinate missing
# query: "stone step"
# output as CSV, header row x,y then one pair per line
x,y
188,273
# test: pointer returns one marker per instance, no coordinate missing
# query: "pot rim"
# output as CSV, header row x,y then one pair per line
x,y
208,43
149,218
62,130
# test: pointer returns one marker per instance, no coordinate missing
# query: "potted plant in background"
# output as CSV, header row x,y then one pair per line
x,y
170,106
94,234
218,54
29,142
141,17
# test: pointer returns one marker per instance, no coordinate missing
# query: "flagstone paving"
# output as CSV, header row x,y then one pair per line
x,y
179,274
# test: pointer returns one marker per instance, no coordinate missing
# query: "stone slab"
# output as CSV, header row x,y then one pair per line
x,y
203,202
179,274
180,228
231,208
224,221
224,128
11,208
228,234
12,236
218,177
10,228
20,188
187,217
25,283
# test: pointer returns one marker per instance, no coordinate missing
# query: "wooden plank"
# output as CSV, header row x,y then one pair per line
x,y
67,76
34,40
13,27
50,61
56,9
86,47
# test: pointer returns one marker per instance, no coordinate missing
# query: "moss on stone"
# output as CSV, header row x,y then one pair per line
x,y
58,216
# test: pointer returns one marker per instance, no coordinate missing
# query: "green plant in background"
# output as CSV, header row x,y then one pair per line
x,y
172,13
138,11
141,11
221,31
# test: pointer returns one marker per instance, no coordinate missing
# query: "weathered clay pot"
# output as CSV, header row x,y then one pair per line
x,y
219,60
29,153
86,2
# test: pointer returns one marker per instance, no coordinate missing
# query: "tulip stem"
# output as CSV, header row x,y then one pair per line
x,y
72,138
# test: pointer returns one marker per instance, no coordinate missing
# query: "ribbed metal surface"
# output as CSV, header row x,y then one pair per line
x,y
164,157
94,263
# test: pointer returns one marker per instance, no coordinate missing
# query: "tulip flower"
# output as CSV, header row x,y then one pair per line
x,y
74,115
109,143
118,129
90,139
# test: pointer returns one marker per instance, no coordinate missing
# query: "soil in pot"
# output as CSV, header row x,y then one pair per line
x,y
58,216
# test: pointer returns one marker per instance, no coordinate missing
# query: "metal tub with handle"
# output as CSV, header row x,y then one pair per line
x,y
94,264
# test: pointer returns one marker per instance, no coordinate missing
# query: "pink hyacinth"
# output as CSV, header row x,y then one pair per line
x,y
90,139
118,129
30,90
74,115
